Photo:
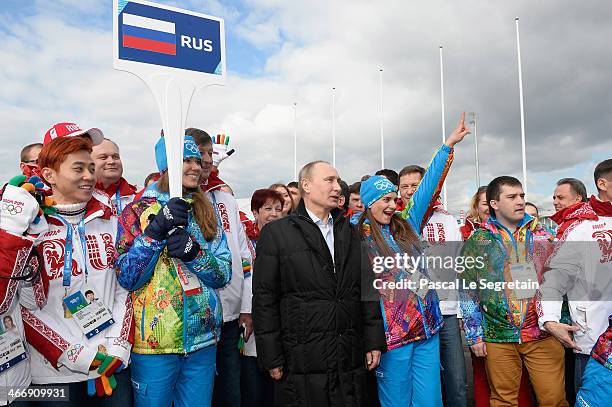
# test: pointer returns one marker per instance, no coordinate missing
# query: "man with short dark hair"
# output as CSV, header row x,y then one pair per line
x,y
571,204
316,328
603,180
581,268
294,191
29,158
569,191
499,303
409,178
354,202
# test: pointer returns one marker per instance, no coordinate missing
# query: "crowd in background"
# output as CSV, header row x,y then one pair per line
x,y
126,295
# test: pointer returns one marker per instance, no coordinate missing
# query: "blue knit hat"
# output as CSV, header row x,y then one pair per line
x,y
375,188
190,149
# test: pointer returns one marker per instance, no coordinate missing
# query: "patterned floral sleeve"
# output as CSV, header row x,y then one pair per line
x,y
137,254
602,351
468,298
213,265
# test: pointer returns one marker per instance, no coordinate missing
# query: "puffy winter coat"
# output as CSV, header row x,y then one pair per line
x,y
308,312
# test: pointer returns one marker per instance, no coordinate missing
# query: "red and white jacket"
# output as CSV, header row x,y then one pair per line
x,y
573,213
60,353
116,196
442,227
16,260
581,267
237,295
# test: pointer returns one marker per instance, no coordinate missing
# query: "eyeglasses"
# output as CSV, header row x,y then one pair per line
x,y
33,162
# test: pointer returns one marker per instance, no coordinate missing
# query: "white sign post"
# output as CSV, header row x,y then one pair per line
x,y
175,52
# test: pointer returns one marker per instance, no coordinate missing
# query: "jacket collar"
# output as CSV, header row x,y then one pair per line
x,y
577,211
125,188
94,209
336,213
601,208
495,226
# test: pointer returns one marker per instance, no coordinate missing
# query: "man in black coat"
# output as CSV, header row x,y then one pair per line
x,y
316,315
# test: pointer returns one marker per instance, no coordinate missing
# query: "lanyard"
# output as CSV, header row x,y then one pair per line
x,y
67,275
119,207
528,243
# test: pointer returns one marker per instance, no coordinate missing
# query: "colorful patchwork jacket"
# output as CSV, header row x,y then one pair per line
x,y
496,315
602,351
407,317
168,321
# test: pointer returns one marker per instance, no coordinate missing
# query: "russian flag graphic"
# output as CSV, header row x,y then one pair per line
x,y
148,34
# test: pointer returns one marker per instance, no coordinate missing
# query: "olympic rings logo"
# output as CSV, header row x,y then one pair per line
x,y
11,209
191,147
383,184
74,352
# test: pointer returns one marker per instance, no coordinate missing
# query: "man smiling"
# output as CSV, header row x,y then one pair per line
x,y
111,188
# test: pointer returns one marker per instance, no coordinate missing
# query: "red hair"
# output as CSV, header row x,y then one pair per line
x,y
260,197
54,153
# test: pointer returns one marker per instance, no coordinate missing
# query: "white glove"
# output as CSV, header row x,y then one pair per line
x,y
18,209
78,357
220,152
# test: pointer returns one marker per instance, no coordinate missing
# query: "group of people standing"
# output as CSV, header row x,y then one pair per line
x,y
128,296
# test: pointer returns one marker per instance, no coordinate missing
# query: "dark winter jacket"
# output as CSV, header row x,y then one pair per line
x,y
308,311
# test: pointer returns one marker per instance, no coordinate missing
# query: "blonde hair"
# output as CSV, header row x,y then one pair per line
x,y
473,212
203,211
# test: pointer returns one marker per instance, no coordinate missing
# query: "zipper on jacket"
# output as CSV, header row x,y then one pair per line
x,y
184,322
142,319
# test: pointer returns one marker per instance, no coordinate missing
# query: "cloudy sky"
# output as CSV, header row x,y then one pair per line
x,y
57,66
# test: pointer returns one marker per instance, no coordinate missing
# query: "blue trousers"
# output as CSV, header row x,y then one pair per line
x,y
185,380
410,375
453,363
596,387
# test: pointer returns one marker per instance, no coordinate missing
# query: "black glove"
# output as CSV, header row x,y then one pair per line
x,y
173,215
182,245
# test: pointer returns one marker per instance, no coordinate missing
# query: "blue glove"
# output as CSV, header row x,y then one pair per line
x,y
173,215
182,245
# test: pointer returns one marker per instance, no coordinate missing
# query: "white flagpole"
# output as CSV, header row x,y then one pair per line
x,y
295,174
444,196
382,138
520,75
473,123
334,127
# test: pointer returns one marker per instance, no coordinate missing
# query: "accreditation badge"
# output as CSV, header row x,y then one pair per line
x,y
419,284
524,276
189,281
12,350
90,314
